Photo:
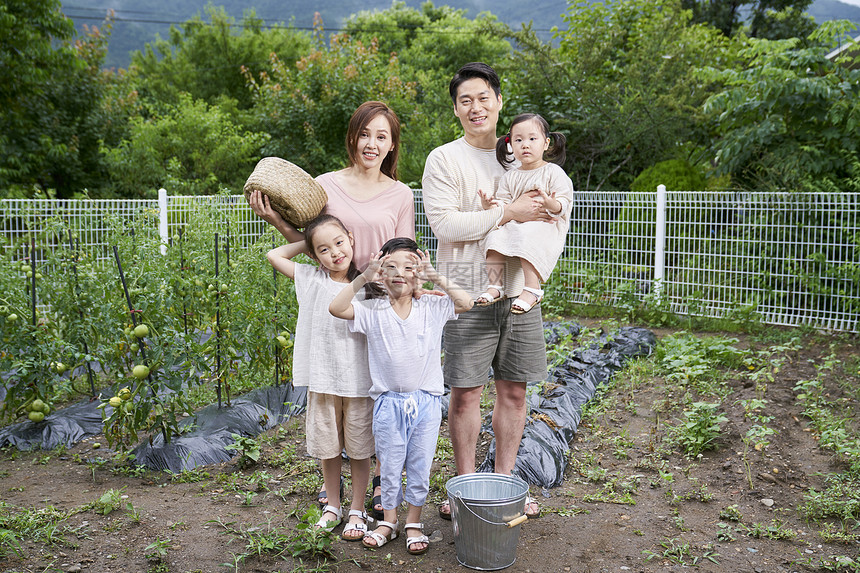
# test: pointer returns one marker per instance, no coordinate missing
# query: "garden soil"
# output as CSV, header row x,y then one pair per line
x,y
670,527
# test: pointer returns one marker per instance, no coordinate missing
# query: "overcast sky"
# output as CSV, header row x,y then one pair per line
x,y
854,2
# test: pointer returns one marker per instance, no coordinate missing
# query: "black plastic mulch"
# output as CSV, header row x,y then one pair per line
x,y
542,457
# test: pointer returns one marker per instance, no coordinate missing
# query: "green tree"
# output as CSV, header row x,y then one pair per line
x,y
207,58
771,19
50,95
620,85
431,44
789,116
193,148
306,108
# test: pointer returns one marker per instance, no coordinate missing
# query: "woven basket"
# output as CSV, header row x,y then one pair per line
x,y
292,192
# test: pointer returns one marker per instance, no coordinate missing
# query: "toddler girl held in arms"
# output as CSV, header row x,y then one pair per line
x,y
537,244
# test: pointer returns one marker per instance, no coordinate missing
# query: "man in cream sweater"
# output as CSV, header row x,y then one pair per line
x,y
485,336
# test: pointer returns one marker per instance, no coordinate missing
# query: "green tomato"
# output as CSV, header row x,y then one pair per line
x,y
37,405
134,346
12,317
60,367
125,394
140,371
36,416
115,401
141,331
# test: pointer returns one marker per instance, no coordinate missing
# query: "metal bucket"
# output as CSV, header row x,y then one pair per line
x,y
486,511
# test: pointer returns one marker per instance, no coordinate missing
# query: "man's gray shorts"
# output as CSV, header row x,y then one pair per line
x,y
513,344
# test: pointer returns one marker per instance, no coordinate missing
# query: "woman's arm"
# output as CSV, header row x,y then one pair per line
x,y
281,258
261,205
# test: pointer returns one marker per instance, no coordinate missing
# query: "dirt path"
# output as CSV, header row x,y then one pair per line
x,y
630,500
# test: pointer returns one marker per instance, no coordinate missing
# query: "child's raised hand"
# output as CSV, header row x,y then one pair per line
x,y
550,204
423,265
373,272
487,201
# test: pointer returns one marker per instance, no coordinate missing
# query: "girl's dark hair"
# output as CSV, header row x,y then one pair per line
x,y
399,244
472,70
359,121
556,153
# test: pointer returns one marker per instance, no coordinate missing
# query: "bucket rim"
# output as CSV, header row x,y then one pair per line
x,y
474,476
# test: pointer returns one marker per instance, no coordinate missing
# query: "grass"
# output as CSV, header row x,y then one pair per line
x,y
628,446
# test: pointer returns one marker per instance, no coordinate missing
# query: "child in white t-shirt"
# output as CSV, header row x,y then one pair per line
x,y
404,340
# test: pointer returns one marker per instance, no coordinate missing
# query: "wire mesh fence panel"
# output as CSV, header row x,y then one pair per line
x,y
782,258
23,221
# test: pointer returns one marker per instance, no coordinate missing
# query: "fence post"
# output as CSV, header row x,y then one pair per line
x,y
660,243
162,219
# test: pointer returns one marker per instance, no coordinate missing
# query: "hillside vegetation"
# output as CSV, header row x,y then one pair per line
x,y
633,84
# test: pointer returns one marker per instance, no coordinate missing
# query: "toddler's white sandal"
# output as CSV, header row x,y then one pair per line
x,y
487,299
520,306
362,527
378,537
410,541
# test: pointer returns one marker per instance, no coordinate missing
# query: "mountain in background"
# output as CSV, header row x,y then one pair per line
x,y
137,23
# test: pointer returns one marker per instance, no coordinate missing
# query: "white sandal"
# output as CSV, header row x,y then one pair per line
x,y
324,523
378,537
520,306
417,539
362,527
486,299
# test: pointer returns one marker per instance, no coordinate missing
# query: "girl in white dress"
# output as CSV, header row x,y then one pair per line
x,y
536,244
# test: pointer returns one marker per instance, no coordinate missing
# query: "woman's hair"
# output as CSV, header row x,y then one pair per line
x,y
314,226
359,121
556,152
473,70
399,244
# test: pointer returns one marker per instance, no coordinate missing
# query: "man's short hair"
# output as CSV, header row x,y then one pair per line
x,y
475,70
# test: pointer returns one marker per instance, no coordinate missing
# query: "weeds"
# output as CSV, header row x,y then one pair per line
x,y
110,501
700,428
248,449
773,530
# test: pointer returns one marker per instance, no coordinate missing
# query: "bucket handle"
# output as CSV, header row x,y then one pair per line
x,y
512,523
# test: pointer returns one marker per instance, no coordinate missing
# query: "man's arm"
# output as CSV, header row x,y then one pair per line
x,y
446,214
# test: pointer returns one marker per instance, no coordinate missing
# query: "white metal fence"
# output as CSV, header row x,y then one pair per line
x,y
782,258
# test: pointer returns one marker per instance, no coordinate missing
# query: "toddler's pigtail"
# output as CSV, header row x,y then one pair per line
x,y
557,151
504,151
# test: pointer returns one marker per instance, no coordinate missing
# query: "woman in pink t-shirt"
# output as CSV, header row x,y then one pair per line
x,y
367,197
